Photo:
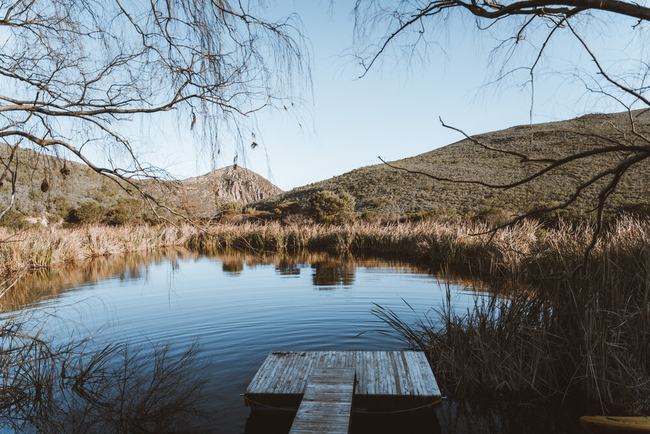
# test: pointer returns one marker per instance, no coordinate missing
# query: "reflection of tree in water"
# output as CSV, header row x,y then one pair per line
x,y
234,266
329,274
287,268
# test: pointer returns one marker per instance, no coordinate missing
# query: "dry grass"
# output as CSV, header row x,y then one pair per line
x,y
582,337
44,247
79,387
526,249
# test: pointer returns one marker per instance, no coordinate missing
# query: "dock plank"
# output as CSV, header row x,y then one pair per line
x,y
326,406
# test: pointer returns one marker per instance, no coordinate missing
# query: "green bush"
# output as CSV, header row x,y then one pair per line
x,y
15,220
86,214
117,215
125,211
289,208
327,205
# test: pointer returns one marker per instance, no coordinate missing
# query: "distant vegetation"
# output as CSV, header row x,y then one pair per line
x,y
76,195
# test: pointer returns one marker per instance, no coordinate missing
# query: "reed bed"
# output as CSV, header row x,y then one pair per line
x,y
584,337
45,247
81,387
526,249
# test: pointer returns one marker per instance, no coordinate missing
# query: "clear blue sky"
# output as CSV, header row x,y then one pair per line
x,y
393,111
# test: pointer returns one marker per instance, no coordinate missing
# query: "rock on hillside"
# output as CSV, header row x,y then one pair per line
x,y
204,195
389,191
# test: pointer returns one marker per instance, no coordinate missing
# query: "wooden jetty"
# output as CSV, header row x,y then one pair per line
x,y
385,380
326,405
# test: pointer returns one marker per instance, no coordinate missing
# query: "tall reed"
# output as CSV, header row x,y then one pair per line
x,y
584,336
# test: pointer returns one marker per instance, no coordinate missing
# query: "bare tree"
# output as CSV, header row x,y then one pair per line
x,y
408,25
76,75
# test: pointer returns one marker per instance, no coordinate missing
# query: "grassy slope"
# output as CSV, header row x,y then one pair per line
x,y
388,191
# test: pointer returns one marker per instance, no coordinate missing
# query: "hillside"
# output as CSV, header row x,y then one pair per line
x,y
71,184
388,191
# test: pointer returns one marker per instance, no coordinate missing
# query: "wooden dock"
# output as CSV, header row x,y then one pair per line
x,y
326,406
385,380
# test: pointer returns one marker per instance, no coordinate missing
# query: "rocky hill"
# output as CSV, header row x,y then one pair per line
x,y
388,191
204,195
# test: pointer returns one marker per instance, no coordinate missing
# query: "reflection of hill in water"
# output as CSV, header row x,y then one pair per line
x,y
327,271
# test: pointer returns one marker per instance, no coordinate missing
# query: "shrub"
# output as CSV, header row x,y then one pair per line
x,y
86,214
328,205
15,220
125,211
231,209
117,215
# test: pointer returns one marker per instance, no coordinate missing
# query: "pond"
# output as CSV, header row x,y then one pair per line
x,y
240,307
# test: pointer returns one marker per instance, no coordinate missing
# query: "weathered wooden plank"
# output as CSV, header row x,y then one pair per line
x,y
416,373
408,375
423,370
430,385
262,376
370,373
397,370
261,373
276,376
326,406
390,377
361,372
290,373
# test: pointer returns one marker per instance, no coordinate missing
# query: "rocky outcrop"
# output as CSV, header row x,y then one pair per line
x,y
204,195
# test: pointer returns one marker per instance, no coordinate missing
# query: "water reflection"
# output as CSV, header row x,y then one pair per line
x,y
52,283
233,267
331,274
287,267
328,271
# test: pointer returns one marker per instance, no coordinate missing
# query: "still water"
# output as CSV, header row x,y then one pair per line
x,y
240,308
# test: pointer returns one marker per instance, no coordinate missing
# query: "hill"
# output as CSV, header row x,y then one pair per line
x,y
388,191
71,184
203,196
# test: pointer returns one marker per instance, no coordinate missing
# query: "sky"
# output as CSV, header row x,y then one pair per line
x,y
394,110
